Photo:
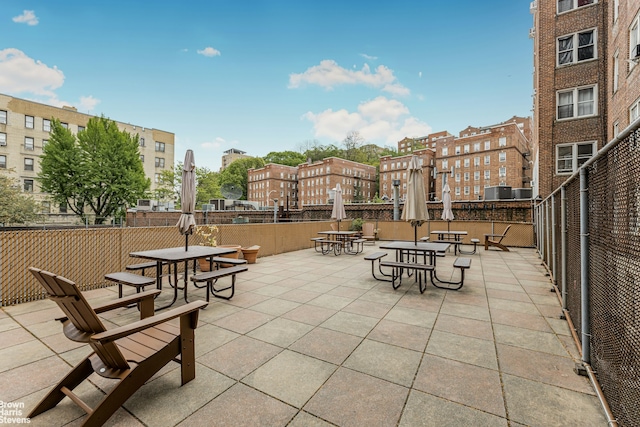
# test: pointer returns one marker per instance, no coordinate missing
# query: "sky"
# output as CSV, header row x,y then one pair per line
x,y
267,75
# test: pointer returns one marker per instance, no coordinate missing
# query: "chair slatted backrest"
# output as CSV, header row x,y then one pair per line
x,y
505,233
84,320
367,229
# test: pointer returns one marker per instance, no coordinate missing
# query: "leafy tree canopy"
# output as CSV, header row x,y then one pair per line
x,y
99,170
207,185
15,207
236,172
288,158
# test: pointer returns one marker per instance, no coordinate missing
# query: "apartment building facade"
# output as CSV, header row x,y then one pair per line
x,y
496,155
25,128
317,180
230,156
393,170
570,85
273,181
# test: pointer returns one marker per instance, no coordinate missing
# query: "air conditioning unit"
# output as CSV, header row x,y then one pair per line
x,y
206,207
144,205
218,204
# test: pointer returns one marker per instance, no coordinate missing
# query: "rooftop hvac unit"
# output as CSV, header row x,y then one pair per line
x,y
500,192
218,204
144,205
522,193
206,207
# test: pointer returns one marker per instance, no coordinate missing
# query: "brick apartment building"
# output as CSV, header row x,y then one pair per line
x,y
273,181
25,128
316,180
395,169
586,80
408,145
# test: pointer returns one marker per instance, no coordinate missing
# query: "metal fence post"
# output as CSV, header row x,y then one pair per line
x,y
563,245
554,269
584,265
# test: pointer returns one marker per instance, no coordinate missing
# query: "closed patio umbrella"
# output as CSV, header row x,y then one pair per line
x,y
338,212
447,213
415,205
188,198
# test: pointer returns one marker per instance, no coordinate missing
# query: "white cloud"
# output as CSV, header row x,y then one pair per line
x,y
209,51
368,57
216,143
380,120
329,74
28,17
19,73
88,103
420,74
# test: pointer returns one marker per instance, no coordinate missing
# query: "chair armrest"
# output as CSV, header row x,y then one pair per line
x,y
140,325
493,235
125,301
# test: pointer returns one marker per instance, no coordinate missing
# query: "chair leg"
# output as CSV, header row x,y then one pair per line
x,y
80,373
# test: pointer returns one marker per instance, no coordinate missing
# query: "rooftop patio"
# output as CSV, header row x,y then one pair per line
x,y
313,340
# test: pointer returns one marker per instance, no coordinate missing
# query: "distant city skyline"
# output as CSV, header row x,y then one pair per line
x,y
275,74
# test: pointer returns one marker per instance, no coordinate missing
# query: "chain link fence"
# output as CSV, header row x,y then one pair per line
x,y
597,271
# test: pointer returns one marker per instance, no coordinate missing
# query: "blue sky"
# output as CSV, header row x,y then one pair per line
x,y
270,75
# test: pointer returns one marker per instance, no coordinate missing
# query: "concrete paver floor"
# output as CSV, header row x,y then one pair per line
x,y
313,340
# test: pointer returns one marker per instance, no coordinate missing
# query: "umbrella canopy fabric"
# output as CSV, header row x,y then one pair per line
x,y
415,205
447,213
188,197
338,212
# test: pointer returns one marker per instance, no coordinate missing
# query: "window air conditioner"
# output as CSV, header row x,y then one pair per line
x,y
144,205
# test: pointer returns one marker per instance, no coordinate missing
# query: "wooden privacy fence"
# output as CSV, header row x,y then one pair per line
x,y
86,255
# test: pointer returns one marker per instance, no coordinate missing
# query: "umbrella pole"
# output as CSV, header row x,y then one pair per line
x,y
186,241
415,234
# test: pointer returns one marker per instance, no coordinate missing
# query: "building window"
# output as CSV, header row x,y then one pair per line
x,y
28,143
476,146
466,190
63,208
487,160
445,164
28,122
616,71
457,191
467,162
141,142
476,190
502,172
3,138
502,157
466,148
3,162
457,164
567,5
476,176
80,128
569,157
142,158
28,186
487,145
457,149
476,161
160,146
634,39
46,125
502,141
487,175
3,117
466,176
576,47
578,102
457,177
64,125
159,162
634,111
445,151
46,207
616,9
28,164
157,178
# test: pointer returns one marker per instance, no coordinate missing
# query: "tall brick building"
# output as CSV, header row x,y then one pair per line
x,y
316,180
273,181
395,168
25,127
586,80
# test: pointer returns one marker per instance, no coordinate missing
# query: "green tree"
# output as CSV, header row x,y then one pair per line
x,y
352,143
168,186
100,170
236,172
320,152
15,207
207,185
289,158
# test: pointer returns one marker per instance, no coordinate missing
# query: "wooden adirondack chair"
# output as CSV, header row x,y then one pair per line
x,y
495,240
368,232
130,354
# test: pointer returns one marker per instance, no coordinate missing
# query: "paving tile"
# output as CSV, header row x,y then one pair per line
x,y
508,295
368,308
304,419
548,368
331,301
299,295
537,404
45,329
353,399
150,403
349,323
527,338
275,306
410,316
242,406
271,290
247,299
325,344
291,377
215,311
240,357
464,326
463,349
470,385
465,310
401,335
399,367
243,321
520,320
517,306
425,410
59,343
29,378
280,332
23,354
309,314
15,336
210,337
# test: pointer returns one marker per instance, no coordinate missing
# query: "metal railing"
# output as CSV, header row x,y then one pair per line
x,y
588,235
